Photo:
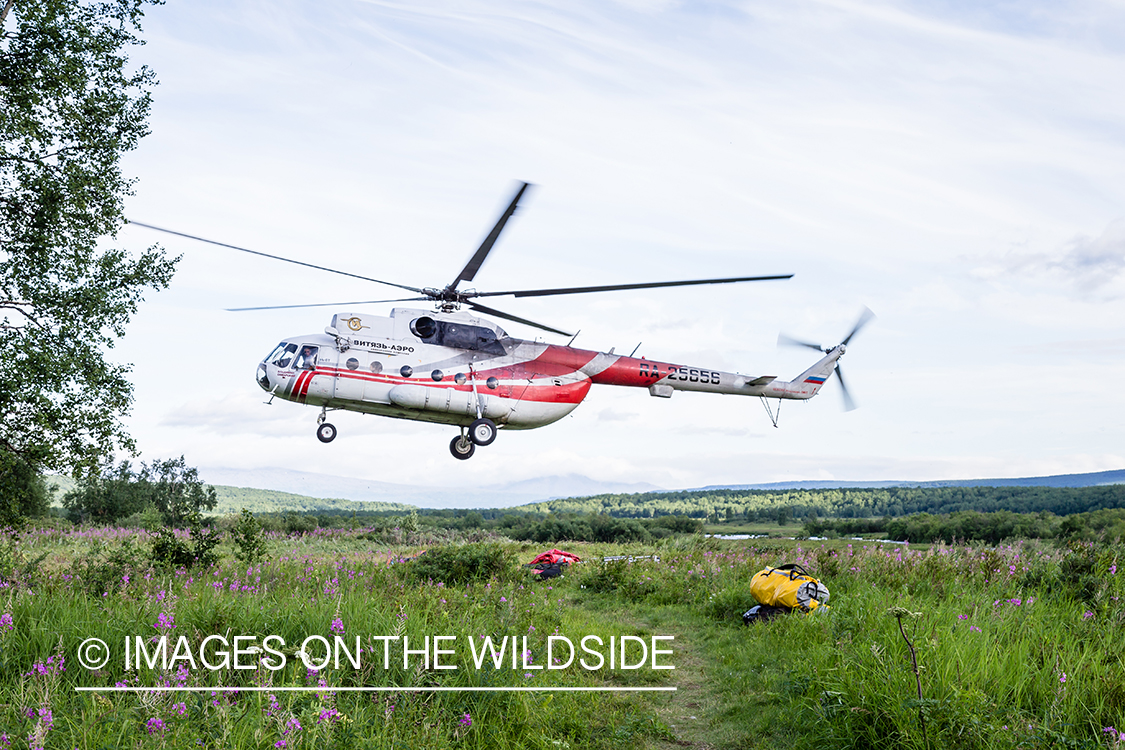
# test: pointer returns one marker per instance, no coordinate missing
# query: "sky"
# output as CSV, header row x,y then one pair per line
x,y
957,167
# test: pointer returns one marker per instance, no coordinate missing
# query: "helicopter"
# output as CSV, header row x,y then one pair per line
x,y
448,366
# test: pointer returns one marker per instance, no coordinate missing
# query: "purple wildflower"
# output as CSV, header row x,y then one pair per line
x,y
338,626
466,721
155,725
49,668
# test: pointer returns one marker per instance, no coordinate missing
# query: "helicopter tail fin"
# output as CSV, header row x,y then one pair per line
x,y
809,382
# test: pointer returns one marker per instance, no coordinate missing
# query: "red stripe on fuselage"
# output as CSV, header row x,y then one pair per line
x,y
304,386
295,390
513,384
554,361
637,373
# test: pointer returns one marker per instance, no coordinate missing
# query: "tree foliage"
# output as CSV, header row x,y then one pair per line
x,y
23,493
249,539
170,487
70,106
779,505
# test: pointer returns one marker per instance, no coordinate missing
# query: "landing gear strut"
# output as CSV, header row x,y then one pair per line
x,y
325,432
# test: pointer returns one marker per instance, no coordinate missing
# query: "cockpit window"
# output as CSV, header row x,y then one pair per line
x,y
306,360
282,356
457,335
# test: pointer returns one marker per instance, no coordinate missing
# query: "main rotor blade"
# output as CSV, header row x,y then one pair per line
x,y
275,257
784,340
325,304
865,316
506,316
474,264
619,287
849,404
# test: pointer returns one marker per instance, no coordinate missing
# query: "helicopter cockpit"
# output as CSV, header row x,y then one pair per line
x,y
288,355
458,335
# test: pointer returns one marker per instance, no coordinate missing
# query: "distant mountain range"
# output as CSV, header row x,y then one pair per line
x,y
1094,479
324,486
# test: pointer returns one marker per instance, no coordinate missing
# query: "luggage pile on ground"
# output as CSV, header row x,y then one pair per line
x,y
552,563
783,589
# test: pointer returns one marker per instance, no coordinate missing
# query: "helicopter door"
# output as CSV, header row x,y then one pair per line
x,y
322,361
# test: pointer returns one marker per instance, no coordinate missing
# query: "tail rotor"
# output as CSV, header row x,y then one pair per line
x,y
864,318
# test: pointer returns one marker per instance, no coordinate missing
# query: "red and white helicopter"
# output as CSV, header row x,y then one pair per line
x,y
451,367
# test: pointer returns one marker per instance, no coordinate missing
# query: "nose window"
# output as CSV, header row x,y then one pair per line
x,y
282,355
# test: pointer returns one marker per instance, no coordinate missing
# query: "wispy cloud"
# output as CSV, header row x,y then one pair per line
x,y
1085,264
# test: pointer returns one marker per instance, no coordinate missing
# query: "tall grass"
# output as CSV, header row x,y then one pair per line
x,y
1017,646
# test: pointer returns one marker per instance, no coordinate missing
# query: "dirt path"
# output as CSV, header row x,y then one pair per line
x,y
688,711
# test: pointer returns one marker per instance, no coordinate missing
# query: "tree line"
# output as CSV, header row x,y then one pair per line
x,y
719,506
975,526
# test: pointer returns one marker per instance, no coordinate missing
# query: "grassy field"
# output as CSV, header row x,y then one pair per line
x,y
1016,646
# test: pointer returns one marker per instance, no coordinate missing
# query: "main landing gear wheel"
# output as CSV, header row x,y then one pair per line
x,y
482,431
326,433
462,447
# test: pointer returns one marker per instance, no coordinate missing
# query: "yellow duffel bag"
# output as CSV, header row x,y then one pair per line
x,y
788,586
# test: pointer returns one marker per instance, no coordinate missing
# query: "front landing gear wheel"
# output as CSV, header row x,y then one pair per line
x,y
326,433
462,447
482,431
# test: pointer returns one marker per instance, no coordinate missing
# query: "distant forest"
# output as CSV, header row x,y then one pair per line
x,y
917,514
722,506
782,506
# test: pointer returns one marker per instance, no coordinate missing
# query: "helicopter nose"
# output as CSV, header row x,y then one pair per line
x,y
263,377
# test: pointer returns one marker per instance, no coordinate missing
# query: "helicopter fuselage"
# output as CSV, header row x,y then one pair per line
x,y
454,368
450,367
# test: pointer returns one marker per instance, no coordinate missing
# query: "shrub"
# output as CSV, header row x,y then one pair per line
x,y
468,562
104,569
295,524
149,519
676,524
168,549
249,539
628,579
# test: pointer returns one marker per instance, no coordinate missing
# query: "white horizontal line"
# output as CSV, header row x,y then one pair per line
x,y
278,689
